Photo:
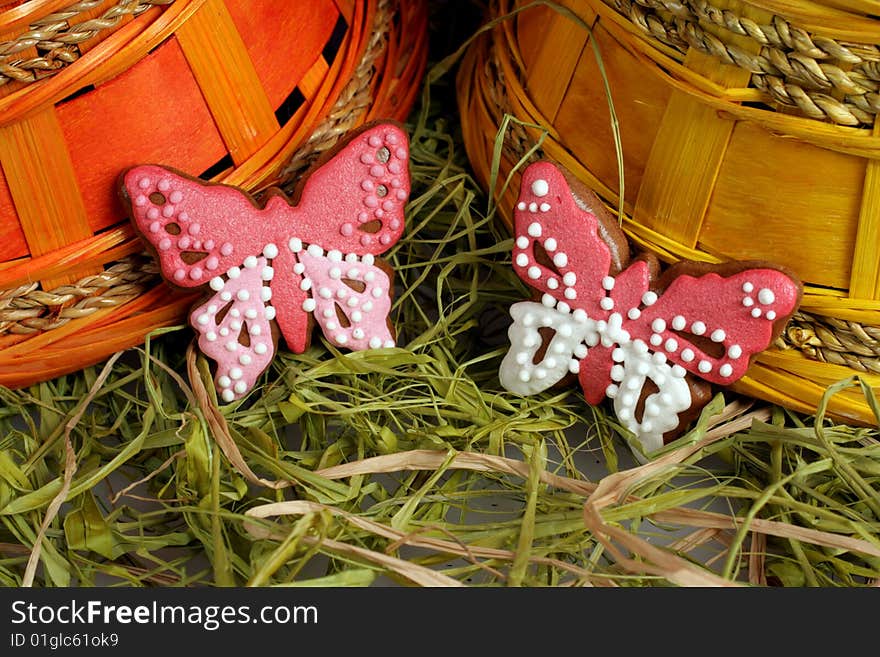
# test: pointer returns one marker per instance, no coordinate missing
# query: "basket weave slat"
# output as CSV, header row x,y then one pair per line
x,y
716,165
43,184
220,63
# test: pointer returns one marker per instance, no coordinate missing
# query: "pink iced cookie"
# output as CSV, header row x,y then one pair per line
x,y
639,341
281,264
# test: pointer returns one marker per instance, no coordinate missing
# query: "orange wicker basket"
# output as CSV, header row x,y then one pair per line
x,y
748,132
245,92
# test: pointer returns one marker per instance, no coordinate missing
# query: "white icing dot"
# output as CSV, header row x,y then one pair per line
x,y
203,319
265,293
574,366
550,244
756,312
223,331
579,315
375,343
368,259
270,251
309,305
608,283
521,358
533,207
611,391
705,366
570,278
522,242
226,296
356,316
679,322
334,255
540,187
606,303
335,273
269,313
235,326
241,387
267,274
748,287
617,373
245,359
534,273
766,296
565,330
544,207
671,345
331,326
734,351
389,344
698,328
633,313
548,300
748,302
560,259
659,358
325,293
305,284
770,314
534,229
315,251
618,355
522,260
328,312
656,339
217,284
658,325
250,262
581,350
211,336
562,307
234,272
377,292
232,345
521,205
571,293
358,334
725,370
718,335
341,338
299,268
224,381
679,372
687,355
255,329
228,395
235,312
649,298
260,348
524,376
235,373
367,306
243,295
295,244
640,346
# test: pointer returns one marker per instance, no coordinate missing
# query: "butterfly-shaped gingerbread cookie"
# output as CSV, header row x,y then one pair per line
x,y
280,267
652,342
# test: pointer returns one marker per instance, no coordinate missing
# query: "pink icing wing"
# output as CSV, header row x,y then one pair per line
x,y
354,203
711,325
234,327
558,248
350,299
197,230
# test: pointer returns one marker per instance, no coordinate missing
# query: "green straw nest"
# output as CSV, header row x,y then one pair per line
x,y
412,465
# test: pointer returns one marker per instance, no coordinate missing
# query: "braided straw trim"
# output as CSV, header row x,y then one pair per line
x,y
822,78
54,36
27,310
835,341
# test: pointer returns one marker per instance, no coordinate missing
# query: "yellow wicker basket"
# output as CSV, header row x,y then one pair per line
x,y
748,132
245,92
